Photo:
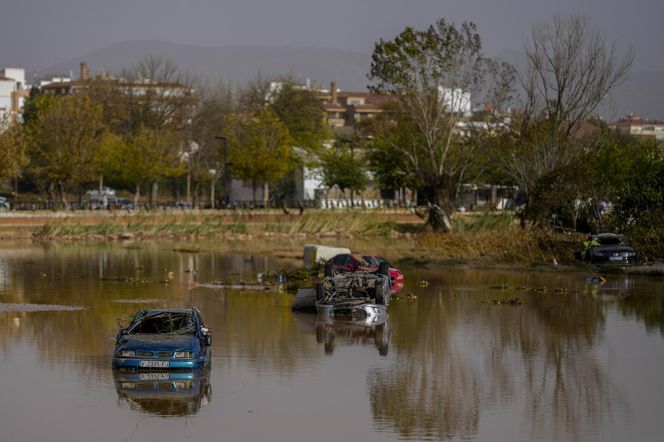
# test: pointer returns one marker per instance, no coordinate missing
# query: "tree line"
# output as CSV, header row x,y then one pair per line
x,y
152,125
538,132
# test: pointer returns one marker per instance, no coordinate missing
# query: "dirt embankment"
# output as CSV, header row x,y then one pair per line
x,y
488,239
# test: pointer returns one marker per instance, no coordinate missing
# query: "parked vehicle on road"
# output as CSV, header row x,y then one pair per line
x,y
104,199
163,339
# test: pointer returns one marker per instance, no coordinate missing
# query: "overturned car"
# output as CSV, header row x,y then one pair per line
x,y
358,294
163,339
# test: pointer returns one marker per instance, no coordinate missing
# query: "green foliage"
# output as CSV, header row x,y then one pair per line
x,y
638,187
35,105
344,168
427,59
261,148
145,157
428,72
617,184
302,114
64,140
386,160
13,156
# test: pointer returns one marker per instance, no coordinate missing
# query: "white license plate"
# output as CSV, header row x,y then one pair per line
x,y
153,376
615,258
153,364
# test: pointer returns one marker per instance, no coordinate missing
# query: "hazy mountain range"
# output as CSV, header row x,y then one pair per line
x,y
642,93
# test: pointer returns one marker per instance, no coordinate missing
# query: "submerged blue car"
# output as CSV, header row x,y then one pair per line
x,y
164,339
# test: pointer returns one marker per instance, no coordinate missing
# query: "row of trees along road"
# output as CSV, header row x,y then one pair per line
x,y
539,133
153,125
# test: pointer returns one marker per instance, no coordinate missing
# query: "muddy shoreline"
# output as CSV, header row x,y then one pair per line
x,y
395,233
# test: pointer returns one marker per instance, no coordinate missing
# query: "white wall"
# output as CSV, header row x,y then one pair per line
x,y
456,100
16,74
6,89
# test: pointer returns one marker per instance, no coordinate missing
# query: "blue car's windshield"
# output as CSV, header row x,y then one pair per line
x,y
172,323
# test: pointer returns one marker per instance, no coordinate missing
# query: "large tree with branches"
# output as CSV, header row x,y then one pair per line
x,y
571,70
431,75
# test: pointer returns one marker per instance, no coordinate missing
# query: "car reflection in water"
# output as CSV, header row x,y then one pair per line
x,y
347,330
164,393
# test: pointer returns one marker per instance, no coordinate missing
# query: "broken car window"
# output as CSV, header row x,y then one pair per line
x,y
165,323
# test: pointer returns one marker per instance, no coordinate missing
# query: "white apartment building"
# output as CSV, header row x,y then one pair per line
x,y
13,93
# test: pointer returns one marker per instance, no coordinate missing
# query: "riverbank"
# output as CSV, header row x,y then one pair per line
x,y
478,239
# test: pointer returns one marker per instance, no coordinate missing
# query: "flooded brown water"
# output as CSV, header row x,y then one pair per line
x,y
538,357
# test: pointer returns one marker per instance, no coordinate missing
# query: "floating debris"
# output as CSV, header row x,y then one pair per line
x,y
221,285
560,290
125,279
596,280
186,250
10,307
423,283
139,301
515,302
499,287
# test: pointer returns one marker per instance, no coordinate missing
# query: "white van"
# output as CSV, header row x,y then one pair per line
x,y
101,200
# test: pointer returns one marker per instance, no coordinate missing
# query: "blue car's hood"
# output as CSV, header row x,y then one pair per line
x,y
159,342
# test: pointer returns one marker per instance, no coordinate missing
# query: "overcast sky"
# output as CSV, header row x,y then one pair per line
x,y
39,33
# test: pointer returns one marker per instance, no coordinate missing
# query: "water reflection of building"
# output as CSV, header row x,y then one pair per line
x,y
167,394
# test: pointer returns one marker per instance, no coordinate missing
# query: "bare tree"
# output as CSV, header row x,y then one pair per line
x,y
571,69
254,96
211,121
155,93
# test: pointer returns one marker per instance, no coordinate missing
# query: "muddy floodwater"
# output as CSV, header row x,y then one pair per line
x,y
466,354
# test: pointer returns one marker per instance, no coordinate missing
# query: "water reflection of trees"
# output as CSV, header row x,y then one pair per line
x,y
256,329
466,356
646,307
